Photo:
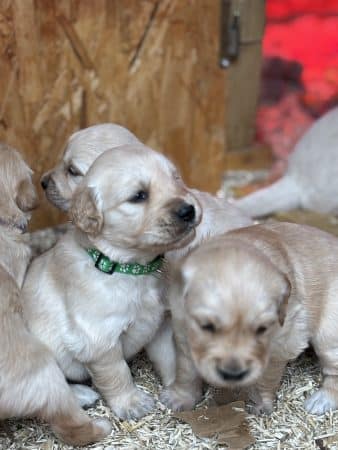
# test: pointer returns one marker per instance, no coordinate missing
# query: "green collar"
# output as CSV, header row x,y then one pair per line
x,y
104,264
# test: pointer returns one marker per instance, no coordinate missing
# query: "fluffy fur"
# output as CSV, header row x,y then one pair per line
x,y
246,303
86,145
310,181
132,206
82,148
219,216
31,383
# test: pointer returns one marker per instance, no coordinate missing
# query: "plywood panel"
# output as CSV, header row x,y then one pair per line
x,y
150,65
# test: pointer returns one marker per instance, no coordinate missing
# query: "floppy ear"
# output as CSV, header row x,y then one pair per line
x,y
27,198
284,299
85,212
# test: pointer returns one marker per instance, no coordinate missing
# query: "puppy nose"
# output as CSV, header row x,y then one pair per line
x,y
44,182
186,212
232,374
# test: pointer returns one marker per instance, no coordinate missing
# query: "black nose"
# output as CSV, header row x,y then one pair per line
x,y
232,374
44,182
186,212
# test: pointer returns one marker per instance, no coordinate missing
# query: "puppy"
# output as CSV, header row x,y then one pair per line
x,y
219,216
86,145
246,303
310,180
82,149
31,383
130,207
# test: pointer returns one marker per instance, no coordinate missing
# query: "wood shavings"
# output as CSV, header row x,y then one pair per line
x,y
288,427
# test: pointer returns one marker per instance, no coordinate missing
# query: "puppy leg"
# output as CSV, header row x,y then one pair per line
x,y
161,352
186,390
326,397
112,377
264,393
72,425
85,395
61,409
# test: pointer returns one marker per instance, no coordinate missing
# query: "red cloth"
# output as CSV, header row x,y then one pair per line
x,y
281,9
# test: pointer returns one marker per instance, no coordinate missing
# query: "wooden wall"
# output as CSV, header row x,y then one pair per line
x,y
150,65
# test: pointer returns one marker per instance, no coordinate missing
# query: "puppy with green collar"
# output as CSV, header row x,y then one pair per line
x,y
98,297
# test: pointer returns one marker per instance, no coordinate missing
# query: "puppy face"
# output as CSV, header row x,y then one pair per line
x,y
82,149
132,197
18,195
234,303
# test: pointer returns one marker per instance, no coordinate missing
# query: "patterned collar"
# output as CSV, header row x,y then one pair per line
x,y
106,265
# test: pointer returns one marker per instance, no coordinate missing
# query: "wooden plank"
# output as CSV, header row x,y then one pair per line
x,y
149,65
76,43
244,74
27,48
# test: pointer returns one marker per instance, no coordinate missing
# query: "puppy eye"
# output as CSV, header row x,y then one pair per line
x,y
261,330
73,171
208,327
141,196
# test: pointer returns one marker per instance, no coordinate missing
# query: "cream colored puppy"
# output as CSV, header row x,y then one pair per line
x,y
82,149
310,181
86,145
246,303
81,299
60,183
31,383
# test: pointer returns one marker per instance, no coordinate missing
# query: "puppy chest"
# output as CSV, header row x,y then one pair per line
x,y
146,300
130,298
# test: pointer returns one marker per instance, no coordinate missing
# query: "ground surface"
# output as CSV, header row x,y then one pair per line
x,y
289,427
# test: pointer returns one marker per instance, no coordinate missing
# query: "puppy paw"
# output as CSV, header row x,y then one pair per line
x,y
258,409
133,406
178,399
102,428
86,396
320,402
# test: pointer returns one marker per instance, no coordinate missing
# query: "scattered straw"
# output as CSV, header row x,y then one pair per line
x,y
288,427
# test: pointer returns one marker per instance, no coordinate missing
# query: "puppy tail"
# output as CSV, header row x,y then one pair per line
x,y
282,195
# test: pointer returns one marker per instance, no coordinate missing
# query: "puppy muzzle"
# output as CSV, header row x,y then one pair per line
x,y
52,193
186,213
232,375
45,181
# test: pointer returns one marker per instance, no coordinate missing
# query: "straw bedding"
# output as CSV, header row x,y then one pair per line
x,y
288,427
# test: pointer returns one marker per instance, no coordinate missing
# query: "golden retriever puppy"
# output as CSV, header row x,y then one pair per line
x,y
246,303
305,182
86,145
60,183
31,383
82,149
97,298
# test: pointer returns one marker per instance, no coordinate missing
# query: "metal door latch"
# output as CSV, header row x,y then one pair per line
x,y
230,35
